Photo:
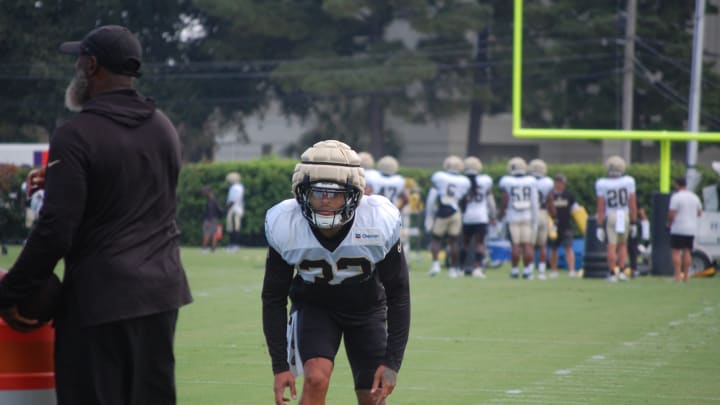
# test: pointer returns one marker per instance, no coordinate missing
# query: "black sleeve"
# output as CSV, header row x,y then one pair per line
x,y
60,217
393,272
276,286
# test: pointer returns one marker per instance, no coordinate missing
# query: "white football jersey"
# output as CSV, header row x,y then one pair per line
x,y
522,204
545,186
389,186
450,188
371,179
616,191
236,196
375,230
476,209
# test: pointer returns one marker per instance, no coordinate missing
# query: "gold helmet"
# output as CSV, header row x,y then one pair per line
x,y
615,166
366,160
329,167
473,165
387,165
453,164
537,167
233,178
517,165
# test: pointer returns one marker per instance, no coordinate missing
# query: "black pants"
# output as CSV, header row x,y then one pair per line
x,y
128,362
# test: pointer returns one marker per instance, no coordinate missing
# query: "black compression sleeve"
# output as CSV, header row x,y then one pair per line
x,y
278,276
393,272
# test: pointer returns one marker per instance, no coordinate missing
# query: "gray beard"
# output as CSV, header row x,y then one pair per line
x,y
77,93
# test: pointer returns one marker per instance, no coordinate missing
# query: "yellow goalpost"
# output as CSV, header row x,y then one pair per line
x,y
664,137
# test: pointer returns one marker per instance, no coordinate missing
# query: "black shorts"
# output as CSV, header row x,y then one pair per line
x,y
681,241
475,229
365,334
565,238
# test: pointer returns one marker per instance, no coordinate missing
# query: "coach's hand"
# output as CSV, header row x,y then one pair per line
x,y
17,322
284,379
600,234
383,383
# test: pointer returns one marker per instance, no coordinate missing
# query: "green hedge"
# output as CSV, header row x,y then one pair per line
x,y
267,181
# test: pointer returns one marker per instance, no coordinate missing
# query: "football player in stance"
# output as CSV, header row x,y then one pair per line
x,y
546,212
442,212
519,208
367,162
337,255
478,210
616,214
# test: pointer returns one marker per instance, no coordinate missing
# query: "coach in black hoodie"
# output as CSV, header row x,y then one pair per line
x,y
109,212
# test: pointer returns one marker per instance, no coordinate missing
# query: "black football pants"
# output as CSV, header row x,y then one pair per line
x,y
127,362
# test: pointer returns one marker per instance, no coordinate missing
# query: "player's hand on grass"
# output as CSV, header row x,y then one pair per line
x,y
383,383
284,379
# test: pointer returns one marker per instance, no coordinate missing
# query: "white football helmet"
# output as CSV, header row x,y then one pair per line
x,y
517,166
388,165
473,165
453,164
366,160
329,167
615,166
537,168
233,178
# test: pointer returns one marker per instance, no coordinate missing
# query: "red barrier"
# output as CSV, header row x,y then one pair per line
x,y
27,375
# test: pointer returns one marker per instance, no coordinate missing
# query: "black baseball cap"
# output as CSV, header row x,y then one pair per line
x,y
115,47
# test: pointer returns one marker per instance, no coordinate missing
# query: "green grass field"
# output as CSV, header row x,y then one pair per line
x,y
493,341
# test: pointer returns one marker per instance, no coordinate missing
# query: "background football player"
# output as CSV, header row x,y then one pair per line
x,y
337,255
478,210
519,208
616,214
546,211
442,212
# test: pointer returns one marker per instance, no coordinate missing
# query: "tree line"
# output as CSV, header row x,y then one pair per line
x,y
347,64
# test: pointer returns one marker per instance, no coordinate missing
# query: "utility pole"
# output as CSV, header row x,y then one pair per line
x,y
691,174
629,76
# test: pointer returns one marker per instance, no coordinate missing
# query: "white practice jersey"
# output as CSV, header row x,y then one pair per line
x,y
236,196
616,191
477,210
372,177
545,186
375,230
390,186
522,203
447,190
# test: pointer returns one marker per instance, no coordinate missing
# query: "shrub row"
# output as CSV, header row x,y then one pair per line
x,y
267,181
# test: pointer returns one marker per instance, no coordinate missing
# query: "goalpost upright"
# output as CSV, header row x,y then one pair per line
x,y
663,136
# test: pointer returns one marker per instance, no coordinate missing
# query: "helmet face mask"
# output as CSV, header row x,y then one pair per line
x,y
326,169
327,217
